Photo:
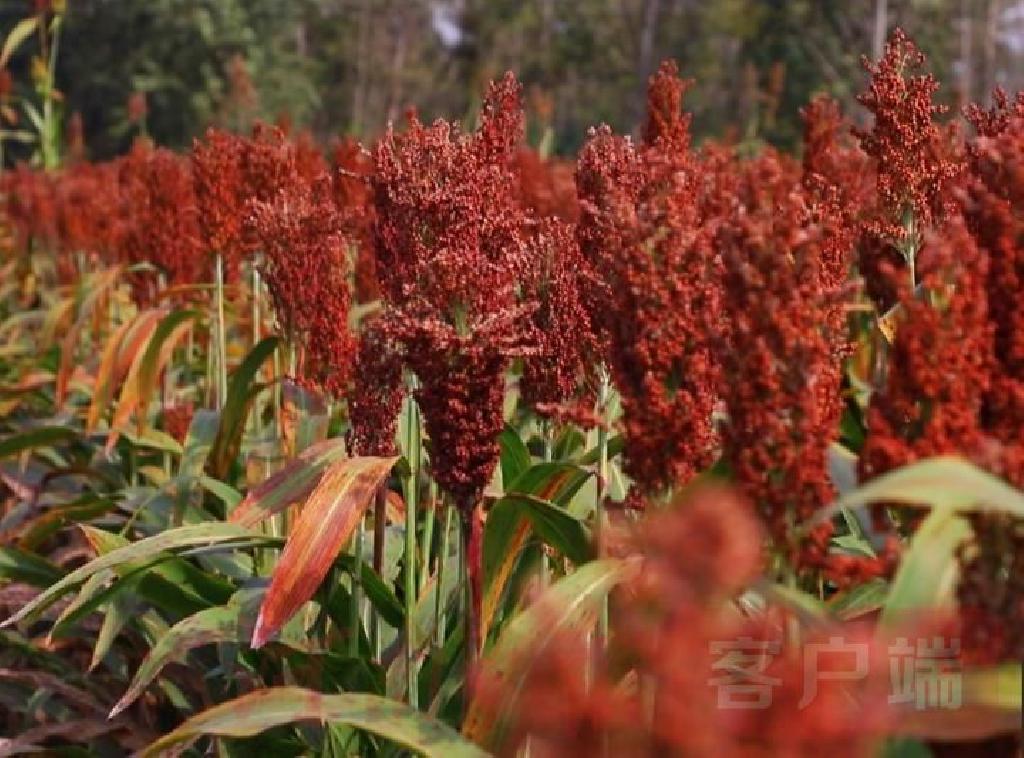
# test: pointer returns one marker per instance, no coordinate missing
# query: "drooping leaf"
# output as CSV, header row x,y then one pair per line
x,y
21,32
508,528
43,436
556,526
927,574
231,623
326,522
570,605
947,483
990,706
20,566
233,415
293,483
145,370
110,371
185,536
254,713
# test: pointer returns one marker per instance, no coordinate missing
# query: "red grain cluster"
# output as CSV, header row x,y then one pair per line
x,y
781,379
452,254
306,268
642,233
916,163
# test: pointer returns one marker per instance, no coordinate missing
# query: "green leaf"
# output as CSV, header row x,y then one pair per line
x,y
254,713
236,407
515,457
570,605
864,598
990,706
556,526
231,623
19,566
21,32
927,574
185,536
293,483
43,436
946,483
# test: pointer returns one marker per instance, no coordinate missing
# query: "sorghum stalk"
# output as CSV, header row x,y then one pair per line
x,y
428,535
413,443
472,564
222,349
257,421
441,614
355,617
602,478
380,521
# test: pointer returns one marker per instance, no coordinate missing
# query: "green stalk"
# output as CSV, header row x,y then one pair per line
x,y
441,614
222,349
545,560
357,581
257,421
380,521
428,536
412,450
602,478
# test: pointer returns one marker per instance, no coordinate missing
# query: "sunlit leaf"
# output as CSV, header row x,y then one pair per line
x,y
327,521
251,714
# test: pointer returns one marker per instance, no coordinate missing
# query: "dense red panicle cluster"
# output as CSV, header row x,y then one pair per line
x,y
221,193
547,186
452,254
692,556
29,206
781,377
89,209
939,365
916,163
231,171
376,395
352,168
566,347
642,233
306,269
160,214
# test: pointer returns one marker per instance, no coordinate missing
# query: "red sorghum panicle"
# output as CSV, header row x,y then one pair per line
x,y
452,257
160,214
375,397
940,363
991,587
222,193
641,231
781,377
30,206
565,338
306,270
89,213
352,166
915,165
547,186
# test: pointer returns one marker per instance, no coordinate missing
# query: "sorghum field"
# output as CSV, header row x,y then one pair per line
x,y
440,445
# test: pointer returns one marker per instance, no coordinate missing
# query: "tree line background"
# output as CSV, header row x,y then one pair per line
x,y
353,65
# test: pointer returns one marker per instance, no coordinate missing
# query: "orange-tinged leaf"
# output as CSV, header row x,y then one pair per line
x,y
103,282
326,522
510,552
263,709
145,370
295,482
118,355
